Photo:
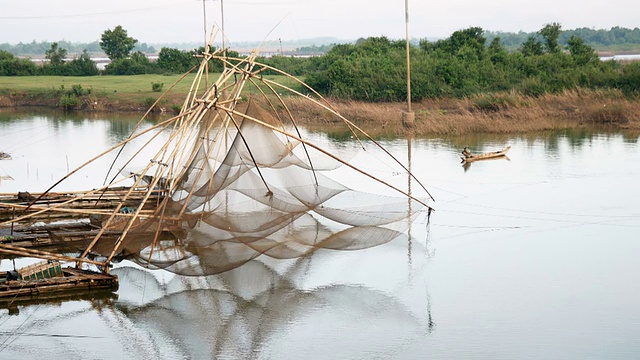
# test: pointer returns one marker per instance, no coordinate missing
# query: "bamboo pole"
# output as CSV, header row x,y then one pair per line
x,y
189,138
318,148
20,251
346,121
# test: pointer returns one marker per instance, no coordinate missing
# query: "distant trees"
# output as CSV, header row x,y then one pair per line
x,y
80,66
581,53
137,63
39,48
176,61
55,55
600,39
12,66
471,39
373,69
116,43
531,47
57,65
551,33
464,66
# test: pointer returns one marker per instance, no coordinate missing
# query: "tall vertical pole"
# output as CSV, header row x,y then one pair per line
x,y
204,23
408,117
224,49
409,209
406,20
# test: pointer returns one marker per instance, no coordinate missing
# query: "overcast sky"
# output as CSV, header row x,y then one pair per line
x,y
167,21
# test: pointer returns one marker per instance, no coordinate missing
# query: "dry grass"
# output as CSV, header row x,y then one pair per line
x,y
498,113
495,113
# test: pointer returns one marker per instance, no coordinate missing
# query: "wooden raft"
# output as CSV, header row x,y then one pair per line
x,y
12,205
70,237
72,280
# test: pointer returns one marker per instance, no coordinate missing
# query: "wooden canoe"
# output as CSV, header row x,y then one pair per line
x,y
468,157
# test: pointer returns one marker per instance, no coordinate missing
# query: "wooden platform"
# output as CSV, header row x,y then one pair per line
x,y
71,282
74,236
15,204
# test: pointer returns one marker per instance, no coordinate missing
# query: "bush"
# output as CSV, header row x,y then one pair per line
x,y
629,80
148,102
156,87
176,61
82,66
136,64
532,87
17,67
78,90
68,101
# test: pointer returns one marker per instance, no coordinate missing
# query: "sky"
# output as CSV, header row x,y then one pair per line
x,y
181,21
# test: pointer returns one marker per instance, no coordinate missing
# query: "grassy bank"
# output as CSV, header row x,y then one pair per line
x,y
486,113
490,113
102,93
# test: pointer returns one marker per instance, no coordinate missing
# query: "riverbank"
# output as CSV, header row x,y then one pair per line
x,y
487,113
492,113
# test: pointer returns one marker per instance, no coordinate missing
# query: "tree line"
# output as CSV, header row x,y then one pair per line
x,y
464,65
119,47
373,69
39,48
599,39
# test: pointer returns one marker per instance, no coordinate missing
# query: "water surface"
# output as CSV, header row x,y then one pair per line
x,y
534,256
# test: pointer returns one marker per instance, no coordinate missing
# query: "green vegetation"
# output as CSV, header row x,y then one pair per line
x,y
104,92
465,65
55,55
12,66
39,48
56,65
156,87
105,84
69,101
116,43
600,39
148,102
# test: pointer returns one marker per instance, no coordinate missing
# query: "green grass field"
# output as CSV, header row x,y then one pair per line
x,y
104,83
131,88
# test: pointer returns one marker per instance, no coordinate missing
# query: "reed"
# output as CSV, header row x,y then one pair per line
x,y
506,112
488,113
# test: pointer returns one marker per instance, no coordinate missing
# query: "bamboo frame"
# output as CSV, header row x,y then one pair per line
x,y
206,108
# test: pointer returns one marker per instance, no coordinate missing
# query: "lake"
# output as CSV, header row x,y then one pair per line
x,y
531,256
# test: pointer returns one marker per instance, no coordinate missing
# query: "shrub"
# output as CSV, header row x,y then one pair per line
x,y
156,87
629,80
148,102
138,64
78,90
17,67
532,87
68,101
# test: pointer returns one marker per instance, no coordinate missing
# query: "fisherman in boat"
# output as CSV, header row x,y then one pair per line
x,y
466,152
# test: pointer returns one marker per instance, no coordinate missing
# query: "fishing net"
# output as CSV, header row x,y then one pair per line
x,y
232,178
